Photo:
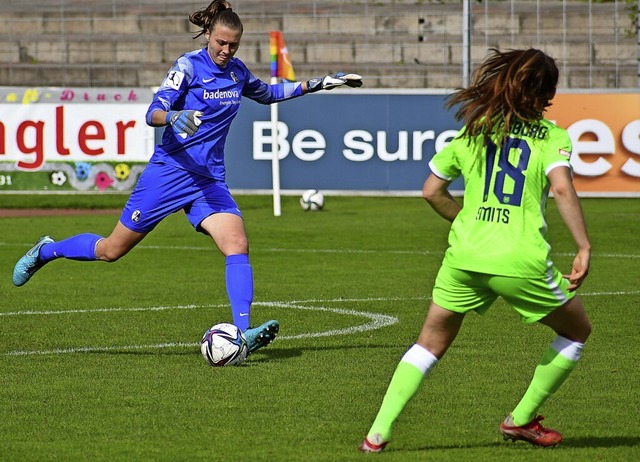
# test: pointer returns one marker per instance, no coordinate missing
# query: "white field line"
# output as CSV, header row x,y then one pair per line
x,y
376,321
191,307
339,251
59,351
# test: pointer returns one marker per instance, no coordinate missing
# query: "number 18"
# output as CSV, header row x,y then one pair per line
x,y
506,169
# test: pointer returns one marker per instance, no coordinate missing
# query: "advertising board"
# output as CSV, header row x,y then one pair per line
x,y
351,142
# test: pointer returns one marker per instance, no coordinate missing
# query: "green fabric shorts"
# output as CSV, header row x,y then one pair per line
x,y
462,291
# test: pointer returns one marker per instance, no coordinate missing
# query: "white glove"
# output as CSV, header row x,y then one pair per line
x,y
184,123
329,82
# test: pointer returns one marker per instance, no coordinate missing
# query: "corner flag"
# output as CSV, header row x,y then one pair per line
x,y
280,63
281,68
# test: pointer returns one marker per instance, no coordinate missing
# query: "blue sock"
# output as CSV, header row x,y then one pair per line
x,y
81,247
239,277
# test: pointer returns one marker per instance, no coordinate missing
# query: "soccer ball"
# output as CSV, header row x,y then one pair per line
x,y
224,345
312,199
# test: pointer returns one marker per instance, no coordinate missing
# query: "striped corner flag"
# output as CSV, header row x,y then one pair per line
x,y
280,64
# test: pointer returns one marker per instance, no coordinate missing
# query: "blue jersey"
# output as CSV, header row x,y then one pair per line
x,y
195,82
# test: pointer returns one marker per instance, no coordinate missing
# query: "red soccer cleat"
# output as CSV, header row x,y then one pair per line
x,y
533,432
377,445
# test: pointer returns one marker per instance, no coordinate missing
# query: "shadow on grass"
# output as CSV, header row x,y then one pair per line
x,y
567,444
582,442
266,354
278,353
440,447
601,441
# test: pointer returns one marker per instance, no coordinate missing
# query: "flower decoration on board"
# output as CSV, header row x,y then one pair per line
x,y
122,171
82,170
58,178
103,181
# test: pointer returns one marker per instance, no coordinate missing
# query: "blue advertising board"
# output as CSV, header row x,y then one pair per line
x,y
342,141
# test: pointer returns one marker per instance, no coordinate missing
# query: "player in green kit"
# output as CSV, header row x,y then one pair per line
x,y
509,157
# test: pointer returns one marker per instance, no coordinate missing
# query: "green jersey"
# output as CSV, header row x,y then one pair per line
x,y
501,228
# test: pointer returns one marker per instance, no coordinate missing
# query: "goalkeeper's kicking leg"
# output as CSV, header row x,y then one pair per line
x,y
81,247
209,207
227,230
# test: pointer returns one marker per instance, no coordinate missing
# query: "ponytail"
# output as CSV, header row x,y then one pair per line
x,y
218,12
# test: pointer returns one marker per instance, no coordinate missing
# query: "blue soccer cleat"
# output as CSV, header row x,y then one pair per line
x,y
261,336
29,263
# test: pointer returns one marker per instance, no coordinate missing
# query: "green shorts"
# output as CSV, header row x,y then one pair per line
x,y
533,298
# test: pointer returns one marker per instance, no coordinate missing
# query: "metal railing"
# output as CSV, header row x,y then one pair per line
x,y
395,43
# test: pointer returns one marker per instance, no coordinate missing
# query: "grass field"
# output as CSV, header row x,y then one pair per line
x,y
101,361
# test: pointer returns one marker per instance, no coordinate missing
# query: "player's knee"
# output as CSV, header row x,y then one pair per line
x,y
110,257
110,254
578,331
585,331
581,329
241,240
235,245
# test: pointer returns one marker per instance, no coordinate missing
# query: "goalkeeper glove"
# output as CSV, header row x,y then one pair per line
x,y
184,123
332,81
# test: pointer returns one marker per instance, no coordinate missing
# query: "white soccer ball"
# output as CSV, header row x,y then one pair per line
x,y
312,199
224,345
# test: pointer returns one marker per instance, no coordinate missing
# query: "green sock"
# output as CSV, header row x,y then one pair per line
x,y
404,384
552,371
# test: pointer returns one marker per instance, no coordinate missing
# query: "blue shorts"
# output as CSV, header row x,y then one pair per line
x,y
163,189
532,298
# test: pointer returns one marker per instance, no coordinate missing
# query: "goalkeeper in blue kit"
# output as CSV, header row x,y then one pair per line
x,y
509,156
197,101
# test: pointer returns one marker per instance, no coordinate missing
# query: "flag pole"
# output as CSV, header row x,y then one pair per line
x,y
280,69
275,162
274,45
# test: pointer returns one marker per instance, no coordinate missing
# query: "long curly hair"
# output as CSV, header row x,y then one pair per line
x,y
218,12
507,86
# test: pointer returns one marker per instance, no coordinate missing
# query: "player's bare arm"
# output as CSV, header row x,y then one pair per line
x,y
571,213
435,192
